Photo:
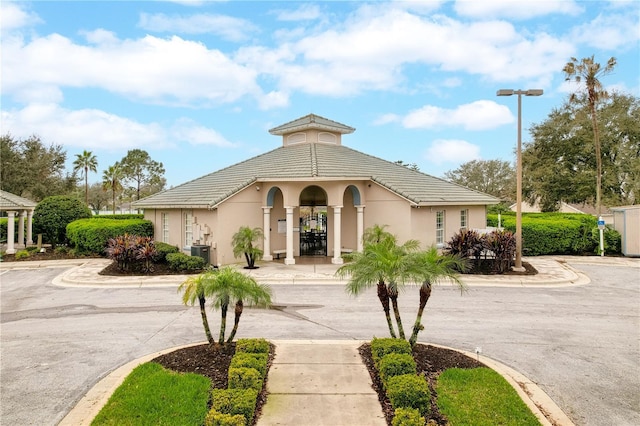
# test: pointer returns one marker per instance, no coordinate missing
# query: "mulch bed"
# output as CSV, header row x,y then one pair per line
x,y
158,269
212,362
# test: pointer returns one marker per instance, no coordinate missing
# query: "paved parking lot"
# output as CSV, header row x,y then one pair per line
x,y
580,344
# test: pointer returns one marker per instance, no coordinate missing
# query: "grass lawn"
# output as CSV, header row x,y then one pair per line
x,y
481,397
152,395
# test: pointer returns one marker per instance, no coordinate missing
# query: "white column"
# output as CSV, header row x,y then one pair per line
x,y
266,228
337,240
289,260
359,226
30,227
11,235
21,228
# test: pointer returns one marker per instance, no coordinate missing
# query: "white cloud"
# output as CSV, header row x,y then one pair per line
x,y
165,71
385,119
479,115
451,151
14,16
305,12
96,129
228,27
515,9
611,32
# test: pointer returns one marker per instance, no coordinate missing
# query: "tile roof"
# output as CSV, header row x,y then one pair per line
x,y
10,201
311,121
314,160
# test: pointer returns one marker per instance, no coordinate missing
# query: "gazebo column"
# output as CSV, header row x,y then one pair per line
x,y
359,226
29,226
337,236
289,260
21,228
11,235
266,226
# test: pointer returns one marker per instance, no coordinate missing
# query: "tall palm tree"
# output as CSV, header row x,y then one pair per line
x,y
85,162
431,267
590,72
112,180
385,263
244,241
194,289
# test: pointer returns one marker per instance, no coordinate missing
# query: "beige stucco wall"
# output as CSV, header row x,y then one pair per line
x,y
627,223
381,207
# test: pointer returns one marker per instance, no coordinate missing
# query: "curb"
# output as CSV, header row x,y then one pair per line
x,y
542,406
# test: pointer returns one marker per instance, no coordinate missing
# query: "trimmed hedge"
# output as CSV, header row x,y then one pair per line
x,y
557,233
184,262
392,365
252,346
409,391
162,250
92,235
407,417
246,360
215,418
388,345
245,378
235,401
119,216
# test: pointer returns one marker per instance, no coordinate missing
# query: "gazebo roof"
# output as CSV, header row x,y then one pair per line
x,y
9,201
312,121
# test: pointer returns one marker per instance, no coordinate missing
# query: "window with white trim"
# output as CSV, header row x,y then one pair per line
x,y
464,219
165,227
188,228
440,227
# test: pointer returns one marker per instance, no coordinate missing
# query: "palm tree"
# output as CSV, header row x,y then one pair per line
x,y
112,180
433,267
243,243
382,262
590,71
194,289
85,162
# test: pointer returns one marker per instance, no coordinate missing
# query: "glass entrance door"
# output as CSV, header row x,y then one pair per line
x,y
313,231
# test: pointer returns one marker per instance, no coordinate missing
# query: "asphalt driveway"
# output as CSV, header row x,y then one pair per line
x,y
581,344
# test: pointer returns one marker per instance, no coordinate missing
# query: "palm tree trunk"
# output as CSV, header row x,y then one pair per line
x,y
596,140
236,320
223,322
205,321
393,295
383,295
425,294
86,186
114,201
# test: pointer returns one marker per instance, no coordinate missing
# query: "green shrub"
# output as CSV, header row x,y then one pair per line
x,y
61,250
119,216
220,419
407,417
235,401
245,378
382,347
162,250
253,346
52,215
409,391
393,364
612,240
22,254
184,262
92,235
245,360
32,249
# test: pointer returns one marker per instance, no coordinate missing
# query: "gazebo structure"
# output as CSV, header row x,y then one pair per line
x,y
16,205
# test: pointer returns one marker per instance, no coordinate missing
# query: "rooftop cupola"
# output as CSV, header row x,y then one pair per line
x,y
312,129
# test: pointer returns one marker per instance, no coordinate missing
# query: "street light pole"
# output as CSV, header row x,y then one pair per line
x,y
510,92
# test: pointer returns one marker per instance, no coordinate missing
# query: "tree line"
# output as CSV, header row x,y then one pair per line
x,y
587,151
34,170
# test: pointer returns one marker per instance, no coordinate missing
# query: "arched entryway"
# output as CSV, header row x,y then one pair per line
x,y
313,221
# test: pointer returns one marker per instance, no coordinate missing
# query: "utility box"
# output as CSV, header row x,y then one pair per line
x,y
201,251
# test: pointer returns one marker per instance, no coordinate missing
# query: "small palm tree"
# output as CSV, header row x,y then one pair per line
x,y
112,180
85,162
589,71
244,242
224,287
431,267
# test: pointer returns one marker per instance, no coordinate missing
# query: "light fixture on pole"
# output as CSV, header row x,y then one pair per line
x,y
510,92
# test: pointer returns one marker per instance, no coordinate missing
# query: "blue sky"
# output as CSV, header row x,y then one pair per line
x,y
197,84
